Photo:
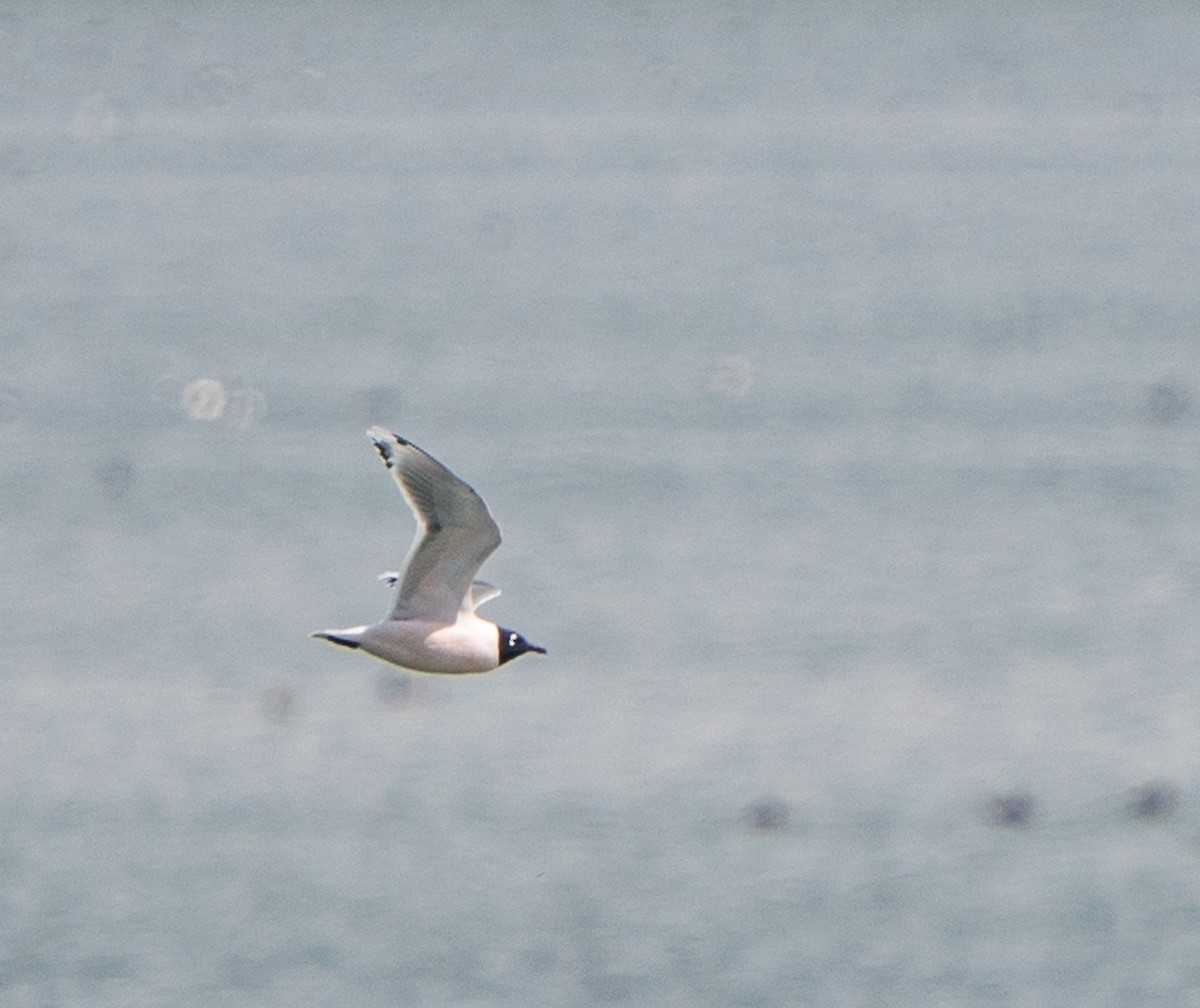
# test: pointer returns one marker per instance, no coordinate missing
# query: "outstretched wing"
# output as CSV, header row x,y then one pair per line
x,y
455,534
477,594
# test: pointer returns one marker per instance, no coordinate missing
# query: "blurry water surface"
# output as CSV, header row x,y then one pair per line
x,y
831,371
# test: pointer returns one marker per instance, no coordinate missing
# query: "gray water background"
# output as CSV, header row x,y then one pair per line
x,y
831,372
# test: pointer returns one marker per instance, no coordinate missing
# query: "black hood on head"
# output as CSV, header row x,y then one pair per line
x,y
513,645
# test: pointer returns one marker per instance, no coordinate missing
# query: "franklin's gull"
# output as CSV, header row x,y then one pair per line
x,y
432,626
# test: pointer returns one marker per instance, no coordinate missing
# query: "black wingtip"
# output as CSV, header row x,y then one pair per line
x,y
381,446
384,446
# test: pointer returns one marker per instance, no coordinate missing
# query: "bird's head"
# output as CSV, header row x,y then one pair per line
x,y
513,645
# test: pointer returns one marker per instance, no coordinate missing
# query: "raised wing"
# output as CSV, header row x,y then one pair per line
x,y
455,534
477,594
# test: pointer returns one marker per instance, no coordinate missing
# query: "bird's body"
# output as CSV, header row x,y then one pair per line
x,y
432,626
469,644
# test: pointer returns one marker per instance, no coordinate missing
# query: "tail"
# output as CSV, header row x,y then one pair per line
x,y
351,637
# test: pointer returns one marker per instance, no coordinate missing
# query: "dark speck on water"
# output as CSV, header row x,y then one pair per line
x,y
1154,800
768,815
1013,810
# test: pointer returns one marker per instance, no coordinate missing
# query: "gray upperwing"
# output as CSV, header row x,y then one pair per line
x,y
477,594
455,533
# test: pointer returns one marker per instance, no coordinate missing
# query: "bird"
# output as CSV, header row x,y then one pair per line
x,y
432,625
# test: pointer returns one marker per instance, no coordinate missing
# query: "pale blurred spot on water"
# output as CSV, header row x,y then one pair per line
x,y
244,406
730,376
309,86
216,85
95,119
203,399
212,399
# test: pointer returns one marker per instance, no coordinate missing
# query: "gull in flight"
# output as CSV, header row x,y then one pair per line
x,y
432,626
